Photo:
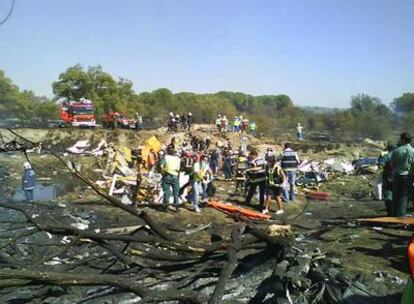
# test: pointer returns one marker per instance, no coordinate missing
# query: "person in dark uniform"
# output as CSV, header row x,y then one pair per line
x,y
256,177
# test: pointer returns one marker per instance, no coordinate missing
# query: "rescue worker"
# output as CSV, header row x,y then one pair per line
x,y
28,182
241,168
188,121
200,178
218,123
151,160
187,162
290,161
256,177
270,156
253,128
171,122
299,131
402,164
177,122
236,124
245,124
170,168
224,123
214,160
274,187
386,174
227,165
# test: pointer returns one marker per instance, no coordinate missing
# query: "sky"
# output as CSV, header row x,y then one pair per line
x,y
319,52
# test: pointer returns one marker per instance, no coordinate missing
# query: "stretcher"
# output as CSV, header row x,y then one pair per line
x,y
230,208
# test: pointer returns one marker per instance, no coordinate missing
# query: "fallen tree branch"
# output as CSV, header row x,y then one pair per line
x,y
225,274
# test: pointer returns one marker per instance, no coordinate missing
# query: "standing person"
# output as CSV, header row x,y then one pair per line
x,y
218,123
151,160
236,124
299,131
187,162
290,161
274,187
189,120
170,168
256,177
28,182
241,168
224,123
227,165
402,164
384,163
253,128
214,159
201,172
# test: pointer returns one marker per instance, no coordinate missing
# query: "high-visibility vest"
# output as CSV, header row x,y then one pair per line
x,y
200,171
172,165
257,171
289,160
274,177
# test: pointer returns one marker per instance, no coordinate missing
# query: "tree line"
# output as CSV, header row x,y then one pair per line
x,y
366,117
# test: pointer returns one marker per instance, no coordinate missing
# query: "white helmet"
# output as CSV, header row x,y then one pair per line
x,y
189,113
171,114
27,165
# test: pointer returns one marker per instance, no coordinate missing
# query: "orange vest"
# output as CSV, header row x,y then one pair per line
x,y
151,159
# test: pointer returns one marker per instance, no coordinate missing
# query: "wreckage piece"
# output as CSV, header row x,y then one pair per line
x,y
237,231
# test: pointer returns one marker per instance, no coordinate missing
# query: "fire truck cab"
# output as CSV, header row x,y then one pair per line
x,y
78,113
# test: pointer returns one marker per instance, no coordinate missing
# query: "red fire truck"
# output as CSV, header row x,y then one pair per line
x,y
116,120
78,113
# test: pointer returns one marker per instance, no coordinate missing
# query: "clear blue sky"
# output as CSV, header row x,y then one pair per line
x,y
319,52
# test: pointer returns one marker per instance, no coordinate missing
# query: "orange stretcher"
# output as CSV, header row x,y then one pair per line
x,y
390,220
229,208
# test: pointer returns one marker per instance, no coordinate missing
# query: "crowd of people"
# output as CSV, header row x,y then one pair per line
x,y
238,124
179,123
273,175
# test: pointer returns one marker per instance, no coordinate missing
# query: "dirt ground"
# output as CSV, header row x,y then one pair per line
x,y
376,254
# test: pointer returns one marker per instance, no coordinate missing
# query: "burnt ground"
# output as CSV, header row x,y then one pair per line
x,y
374,254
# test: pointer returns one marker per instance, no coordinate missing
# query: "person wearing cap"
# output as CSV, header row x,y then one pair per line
x,y
402,164
170,168
28,182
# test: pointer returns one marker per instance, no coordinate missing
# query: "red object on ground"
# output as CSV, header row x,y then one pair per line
x,y
229,208
318,195
411,256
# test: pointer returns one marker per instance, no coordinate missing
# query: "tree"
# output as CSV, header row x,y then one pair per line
x,y
404,103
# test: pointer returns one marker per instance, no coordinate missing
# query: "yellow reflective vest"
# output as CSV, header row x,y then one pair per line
x,y
171,165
